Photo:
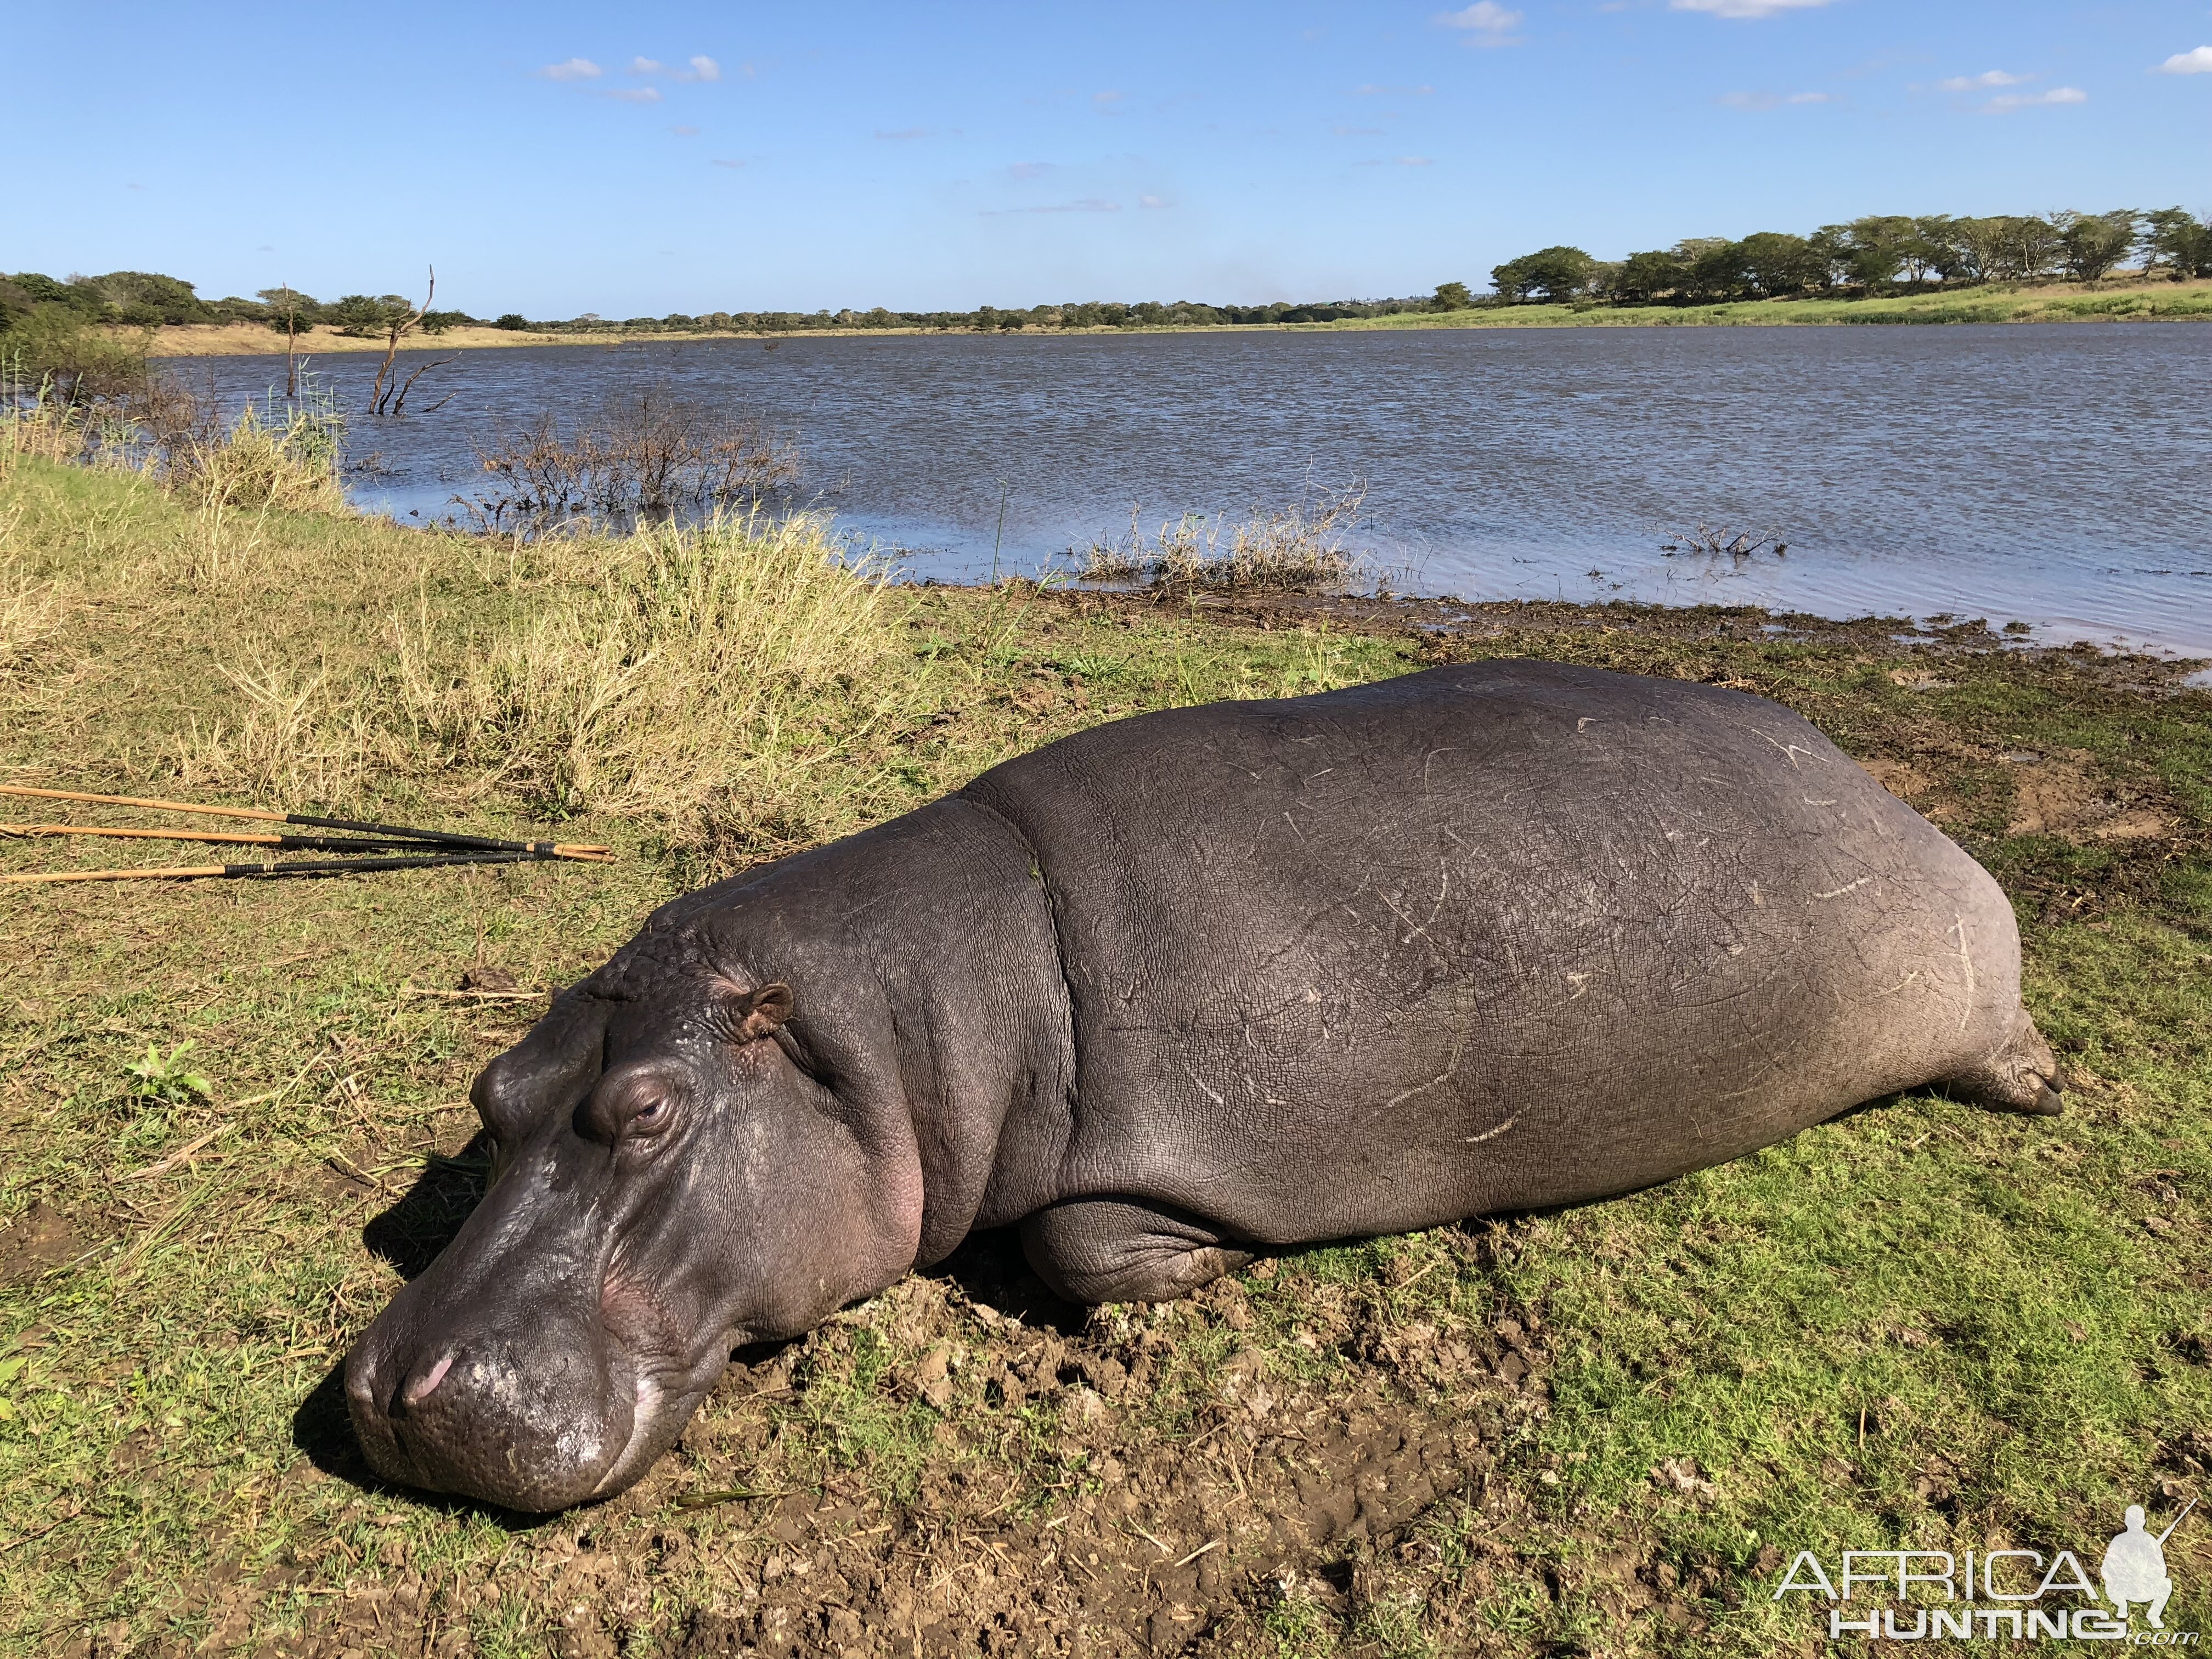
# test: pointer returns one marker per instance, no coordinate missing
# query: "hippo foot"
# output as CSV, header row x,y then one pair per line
x,y
2021,1075
1107,1249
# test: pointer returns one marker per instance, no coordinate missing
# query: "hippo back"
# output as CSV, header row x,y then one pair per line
x,y
1509,932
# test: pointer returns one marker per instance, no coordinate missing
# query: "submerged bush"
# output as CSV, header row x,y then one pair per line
x,y
648,455
1297,548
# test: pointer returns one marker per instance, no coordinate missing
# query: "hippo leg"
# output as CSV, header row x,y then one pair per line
x,y
1107,1249
2021,1074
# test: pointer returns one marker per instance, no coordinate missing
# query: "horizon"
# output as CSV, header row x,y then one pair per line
x,y
571,162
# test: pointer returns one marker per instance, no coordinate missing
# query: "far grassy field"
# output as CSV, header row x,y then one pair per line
x,y
2000,303
2064,303
1600,1431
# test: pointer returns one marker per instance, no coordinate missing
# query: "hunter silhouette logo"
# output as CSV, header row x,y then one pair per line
x,y
1983,1595
2135,1567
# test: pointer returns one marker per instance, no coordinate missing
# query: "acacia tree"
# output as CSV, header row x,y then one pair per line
x,y
2176,239
1774,262
1643,277
1552,274
2091,244
291,313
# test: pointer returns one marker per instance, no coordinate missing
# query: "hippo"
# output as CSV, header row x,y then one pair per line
x,y
1178,990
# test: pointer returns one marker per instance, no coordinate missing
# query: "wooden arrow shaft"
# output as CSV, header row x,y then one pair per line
x,y
258,872
588,851
151,805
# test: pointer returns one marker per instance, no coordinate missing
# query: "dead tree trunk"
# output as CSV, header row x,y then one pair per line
x,y
398,328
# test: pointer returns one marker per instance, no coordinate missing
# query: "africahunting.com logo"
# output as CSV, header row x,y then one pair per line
x,y
2009,1593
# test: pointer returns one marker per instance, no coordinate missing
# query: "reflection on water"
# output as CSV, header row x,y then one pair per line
x,y
2054,474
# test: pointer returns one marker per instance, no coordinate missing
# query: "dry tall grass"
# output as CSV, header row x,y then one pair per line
x,y
36,423
699,676
290,467
665,671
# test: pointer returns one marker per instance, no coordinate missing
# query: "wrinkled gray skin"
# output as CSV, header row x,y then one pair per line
x,y
1169,992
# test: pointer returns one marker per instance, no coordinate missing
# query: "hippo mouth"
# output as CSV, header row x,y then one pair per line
x,y
531,1413
474,1424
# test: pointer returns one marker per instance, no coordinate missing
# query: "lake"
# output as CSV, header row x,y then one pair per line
x,y
2059,475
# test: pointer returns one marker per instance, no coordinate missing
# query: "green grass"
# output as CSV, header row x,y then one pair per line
x,y
2017,1307
2000,303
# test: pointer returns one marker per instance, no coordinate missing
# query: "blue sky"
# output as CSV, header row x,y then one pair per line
x,y
648,158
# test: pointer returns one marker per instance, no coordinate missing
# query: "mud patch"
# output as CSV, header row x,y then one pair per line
x,y
1901,778
2060,797
42,1239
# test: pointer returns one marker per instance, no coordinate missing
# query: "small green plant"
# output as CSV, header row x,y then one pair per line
x,y
164,1079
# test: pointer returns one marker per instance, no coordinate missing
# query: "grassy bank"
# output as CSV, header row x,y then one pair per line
x,y
2000,303
1603,1431
2061,303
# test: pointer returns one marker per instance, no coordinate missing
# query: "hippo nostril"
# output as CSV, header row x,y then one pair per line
x,y
420,1388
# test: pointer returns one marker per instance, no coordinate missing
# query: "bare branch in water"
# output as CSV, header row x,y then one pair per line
x,y
1737,543
399,403
398,326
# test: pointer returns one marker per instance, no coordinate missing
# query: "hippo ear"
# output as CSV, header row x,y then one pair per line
x,y
752,1015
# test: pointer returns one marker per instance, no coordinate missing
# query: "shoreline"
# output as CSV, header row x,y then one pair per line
x,y
2061,302
1444,617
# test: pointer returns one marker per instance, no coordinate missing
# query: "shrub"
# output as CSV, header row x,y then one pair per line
x,y
56,345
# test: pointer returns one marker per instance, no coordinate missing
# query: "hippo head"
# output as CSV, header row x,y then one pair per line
x,y
679,1168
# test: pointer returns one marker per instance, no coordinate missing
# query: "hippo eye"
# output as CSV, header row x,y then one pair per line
x,y
639,1104
650,1116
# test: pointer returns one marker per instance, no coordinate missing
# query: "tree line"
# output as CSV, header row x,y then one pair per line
x,y
141,299
1880,254
68,323
144,299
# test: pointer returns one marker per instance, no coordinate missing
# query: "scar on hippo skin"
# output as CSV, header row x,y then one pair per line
x,y
1176,990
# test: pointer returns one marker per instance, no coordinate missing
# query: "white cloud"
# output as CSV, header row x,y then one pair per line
x,y
1810,98
2199,62
1975,82
1103,102
2034,99
1032,169
720,162
1416,162
635,94
1490,21
576,69
1745,8
901,135
1152,201
684,132
700,69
